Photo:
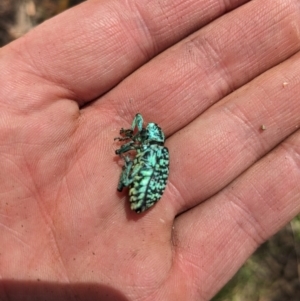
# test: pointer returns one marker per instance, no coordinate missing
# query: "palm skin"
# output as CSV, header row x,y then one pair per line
x,y
70,85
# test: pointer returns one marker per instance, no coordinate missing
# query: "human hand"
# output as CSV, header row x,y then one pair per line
x,y
227,98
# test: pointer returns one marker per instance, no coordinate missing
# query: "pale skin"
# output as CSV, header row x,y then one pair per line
x,y
68,87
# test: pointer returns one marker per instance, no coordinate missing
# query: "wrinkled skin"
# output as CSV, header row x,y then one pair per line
x,y
225,90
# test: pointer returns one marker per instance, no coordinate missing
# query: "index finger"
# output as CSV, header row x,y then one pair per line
x,y
87,50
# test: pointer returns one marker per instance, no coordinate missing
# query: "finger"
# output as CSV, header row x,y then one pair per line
x,y
214,239
86,51
226,140
177,86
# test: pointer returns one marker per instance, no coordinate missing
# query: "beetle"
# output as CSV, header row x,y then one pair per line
x,y
147,173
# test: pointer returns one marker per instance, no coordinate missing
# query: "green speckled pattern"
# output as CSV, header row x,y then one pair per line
x,y
147,174
150,181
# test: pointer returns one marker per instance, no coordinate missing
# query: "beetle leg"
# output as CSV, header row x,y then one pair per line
x,y
125,148
125,179
128,173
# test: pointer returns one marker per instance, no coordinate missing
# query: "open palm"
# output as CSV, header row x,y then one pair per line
x,y
230,111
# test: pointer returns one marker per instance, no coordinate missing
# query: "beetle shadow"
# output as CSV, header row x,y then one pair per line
x,y
49,291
